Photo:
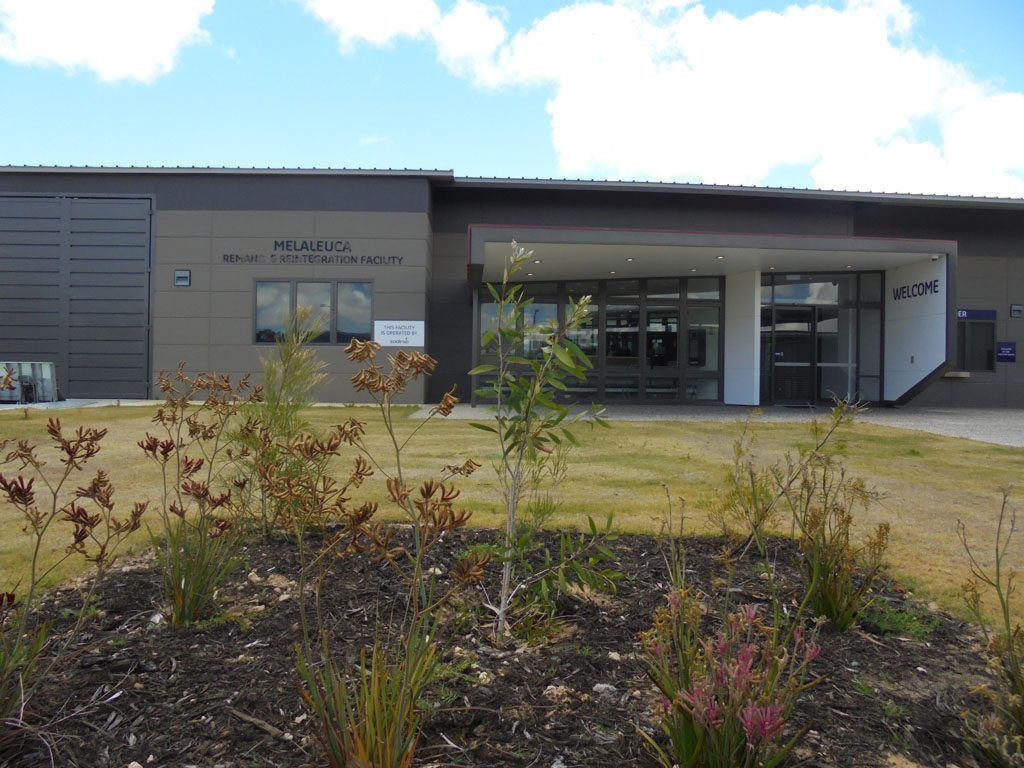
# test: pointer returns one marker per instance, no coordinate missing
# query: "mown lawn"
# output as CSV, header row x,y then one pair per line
x,y
928,481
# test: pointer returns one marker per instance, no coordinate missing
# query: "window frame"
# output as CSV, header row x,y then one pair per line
x,y
293,284
964,345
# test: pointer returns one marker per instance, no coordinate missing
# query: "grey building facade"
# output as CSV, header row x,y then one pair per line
x,y
701,293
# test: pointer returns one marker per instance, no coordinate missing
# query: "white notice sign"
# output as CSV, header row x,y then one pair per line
x,y
399,333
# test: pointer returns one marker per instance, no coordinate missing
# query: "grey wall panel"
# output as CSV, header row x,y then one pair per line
x,y
109,333
78,290
30,208
30,278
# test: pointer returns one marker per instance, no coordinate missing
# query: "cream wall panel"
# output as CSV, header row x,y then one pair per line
x,y
240,357
176,330
391,279
401,280
274,224
982,289
399,306
181,250
982,267
372,225
231,304
182,223
230,330
215,315
167,357
182,302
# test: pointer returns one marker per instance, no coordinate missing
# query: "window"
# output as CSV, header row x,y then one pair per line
x,y
976,345
344,311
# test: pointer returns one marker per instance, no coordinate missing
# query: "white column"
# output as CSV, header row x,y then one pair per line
x,y
742,365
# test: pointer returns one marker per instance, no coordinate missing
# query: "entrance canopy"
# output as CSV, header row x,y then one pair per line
x,y
915,308
576,254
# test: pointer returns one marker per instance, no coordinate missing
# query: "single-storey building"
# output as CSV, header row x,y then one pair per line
x,y
701,293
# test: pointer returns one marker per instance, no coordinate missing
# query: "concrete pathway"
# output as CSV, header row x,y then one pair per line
x,y
1003,426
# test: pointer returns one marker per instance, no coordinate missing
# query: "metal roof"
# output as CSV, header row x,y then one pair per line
x,y
226,171
740,190
448,177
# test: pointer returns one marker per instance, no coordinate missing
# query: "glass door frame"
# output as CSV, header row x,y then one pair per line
x,y
811,365
875,303
601,375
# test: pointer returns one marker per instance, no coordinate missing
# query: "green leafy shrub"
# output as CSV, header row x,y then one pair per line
x,y
199,542
995,738
528,420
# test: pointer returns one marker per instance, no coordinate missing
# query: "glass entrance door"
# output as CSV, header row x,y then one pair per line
x,y
793,355
661,358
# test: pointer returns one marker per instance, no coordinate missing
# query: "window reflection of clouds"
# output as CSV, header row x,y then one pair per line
x,y
354,309
807,293
272,307
317,297
355,302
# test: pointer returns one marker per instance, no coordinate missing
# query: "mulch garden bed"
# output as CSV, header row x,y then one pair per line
x,y
226,694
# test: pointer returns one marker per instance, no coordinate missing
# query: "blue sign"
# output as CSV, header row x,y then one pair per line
x,y
975,314
1006,351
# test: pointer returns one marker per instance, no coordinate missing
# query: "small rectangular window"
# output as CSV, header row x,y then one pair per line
x,y
976,345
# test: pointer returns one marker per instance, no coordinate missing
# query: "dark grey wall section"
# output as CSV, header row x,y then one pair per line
x,y
456,208
236,192
74,278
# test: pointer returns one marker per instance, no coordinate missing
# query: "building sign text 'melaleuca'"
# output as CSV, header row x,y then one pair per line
x,y
323,251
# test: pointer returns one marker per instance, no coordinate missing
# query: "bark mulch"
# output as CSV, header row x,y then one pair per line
x,y
226,694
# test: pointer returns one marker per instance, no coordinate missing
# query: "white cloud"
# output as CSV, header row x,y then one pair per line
x,y
659,89
467,38
116,39
377,22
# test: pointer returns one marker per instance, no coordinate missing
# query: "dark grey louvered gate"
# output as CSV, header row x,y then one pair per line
x,y
74,290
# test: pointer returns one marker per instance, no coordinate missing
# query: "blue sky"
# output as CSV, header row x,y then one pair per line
x,y
888,95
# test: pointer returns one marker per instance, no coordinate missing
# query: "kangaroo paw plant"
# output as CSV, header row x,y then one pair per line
x,y
371,715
